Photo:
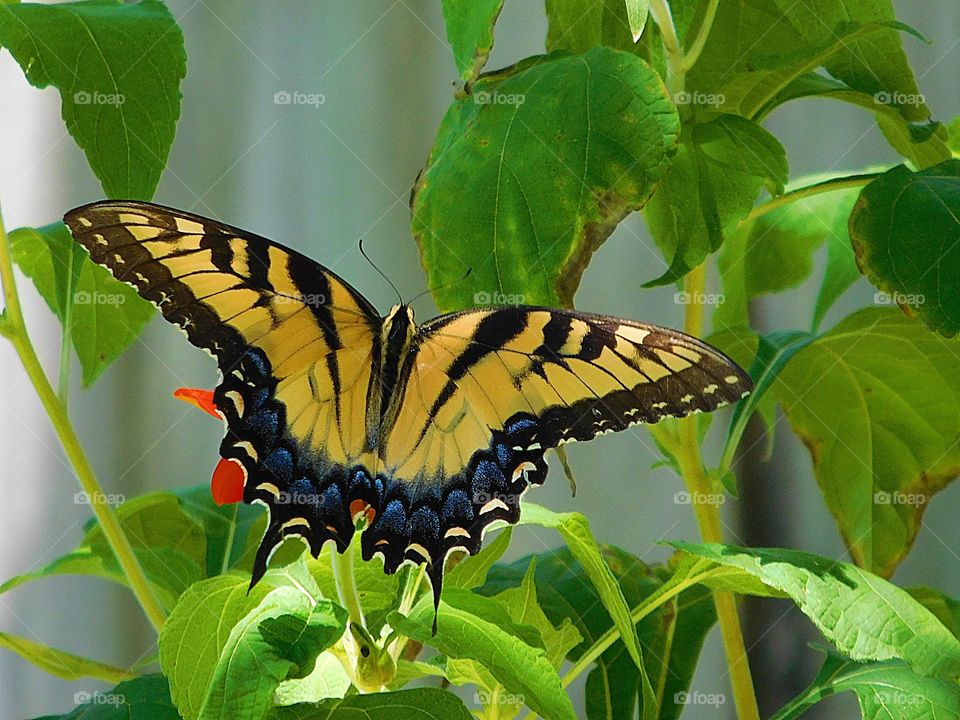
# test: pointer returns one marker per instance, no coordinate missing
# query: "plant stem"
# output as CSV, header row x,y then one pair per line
x,y
676,72
347,584
231,534
693,53
16,331
708,518
819,188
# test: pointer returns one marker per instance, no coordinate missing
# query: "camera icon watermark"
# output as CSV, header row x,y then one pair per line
x,y
85,97
912,300
693,697
85,498
898,497
484,97
296,97
487,698
713,100
899,99
82,297
698,298
98,698
498,298
698,498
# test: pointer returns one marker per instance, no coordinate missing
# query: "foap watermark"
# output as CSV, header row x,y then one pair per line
x,y
693,697
298,498
85,97
698,298
296,97
308,299
698,498
85,498
483,498
487,698
891,698
482,97
897,497
699,98
912,300
82,297
497,298
899,99
98,698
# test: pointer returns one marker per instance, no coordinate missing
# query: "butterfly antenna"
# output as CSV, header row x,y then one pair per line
x,y
443,287
382,274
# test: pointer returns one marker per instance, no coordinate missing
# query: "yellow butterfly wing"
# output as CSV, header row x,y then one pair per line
x,y
295,345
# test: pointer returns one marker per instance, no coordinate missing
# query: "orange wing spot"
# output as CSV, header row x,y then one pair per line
x,y
359,507
203,399
228,480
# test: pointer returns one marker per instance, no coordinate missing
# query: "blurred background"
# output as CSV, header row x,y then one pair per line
x,y
317,178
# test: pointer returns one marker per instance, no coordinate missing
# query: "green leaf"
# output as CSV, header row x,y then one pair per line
x,y
871,65
471,572
104,316
117,67
904,229
169,545
470,32
328,679
712,185
749,94
863,615
877,402
60,663
637,12
376,589
546,185
144,698
478,628
525,609
671,637
418,704
212,637
945,608
575,530
886,691
775,251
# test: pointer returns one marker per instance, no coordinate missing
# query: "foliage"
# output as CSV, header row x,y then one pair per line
x,y
635,105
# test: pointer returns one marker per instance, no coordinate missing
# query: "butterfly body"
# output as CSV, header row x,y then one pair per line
x,y
430,432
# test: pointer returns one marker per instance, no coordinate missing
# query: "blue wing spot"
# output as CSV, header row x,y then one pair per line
x,y
504,454
487,477
457,509
280,464
332,501
259,363
393,519
424,526
265,424
518,426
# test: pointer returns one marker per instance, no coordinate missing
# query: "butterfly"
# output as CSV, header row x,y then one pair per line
x,y
430,432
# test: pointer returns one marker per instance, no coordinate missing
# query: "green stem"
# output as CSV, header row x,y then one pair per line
x,y
347,584
819,188
708,518
63,379
693,53
231,534
61,423
676,72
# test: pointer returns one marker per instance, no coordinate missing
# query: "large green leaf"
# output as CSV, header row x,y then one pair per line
x,y
418,704
473,627
143,698
472,570
906,233
103,315
169,544
470,32
886,691
546,183
710,188
877,402
863,615
214,631
118,68
671,637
